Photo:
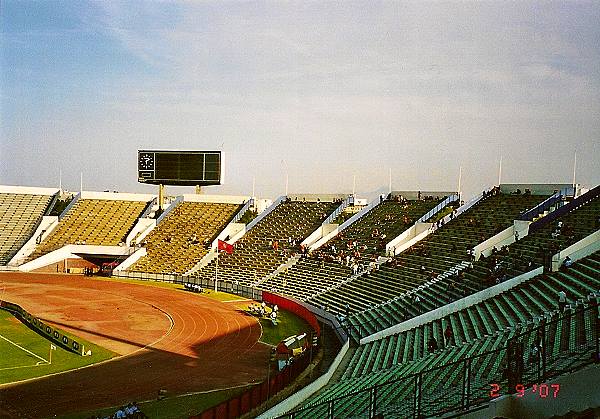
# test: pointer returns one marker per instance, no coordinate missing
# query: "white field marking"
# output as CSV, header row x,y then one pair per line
x,y
23,349
38,364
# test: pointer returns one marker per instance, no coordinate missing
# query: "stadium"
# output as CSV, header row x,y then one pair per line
x,y
299,210
498,295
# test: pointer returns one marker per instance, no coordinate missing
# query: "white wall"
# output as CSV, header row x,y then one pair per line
x,y
137,255
408,238
579,250
117,196
143,226
300,396
223,199
48,223
28,190
505,238
71,251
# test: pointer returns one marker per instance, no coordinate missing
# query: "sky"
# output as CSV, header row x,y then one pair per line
x,y
325,92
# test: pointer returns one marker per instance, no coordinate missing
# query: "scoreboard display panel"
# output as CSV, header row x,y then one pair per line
x,y
181,168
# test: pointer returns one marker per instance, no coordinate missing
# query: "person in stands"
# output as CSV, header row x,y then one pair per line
x,y
449,335
562,301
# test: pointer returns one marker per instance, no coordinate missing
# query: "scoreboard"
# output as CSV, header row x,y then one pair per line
x,y
180,168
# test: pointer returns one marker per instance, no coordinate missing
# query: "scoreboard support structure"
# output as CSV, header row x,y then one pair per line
x,y
161,197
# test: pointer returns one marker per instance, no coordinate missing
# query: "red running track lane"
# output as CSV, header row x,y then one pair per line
x,y
210,346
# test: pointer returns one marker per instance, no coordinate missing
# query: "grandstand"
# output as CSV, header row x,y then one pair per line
x,y
359,243
434,255
181,240
93,222
428,320
518,258
479,335
21,210
270,242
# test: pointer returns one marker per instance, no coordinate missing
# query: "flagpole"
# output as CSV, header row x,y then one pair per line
x,y
50,355
217,269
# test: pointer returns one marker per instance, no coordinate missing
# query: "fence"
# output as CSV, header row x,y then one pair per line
x,y
562,345
258,394
222,285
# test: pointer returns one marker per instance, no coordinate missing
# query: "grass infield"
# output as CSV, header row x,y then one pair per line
x,y
26,354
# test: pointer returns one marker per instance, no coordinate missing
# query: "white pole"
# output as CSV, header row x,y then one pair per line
x,y
60,180
459,179
287,181
500,171
217,269
390,191
574,170
253,185
353,184
81,182
50,355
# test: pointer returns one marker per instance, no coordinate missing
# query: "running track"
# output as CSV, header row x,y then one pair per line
x,y
170,339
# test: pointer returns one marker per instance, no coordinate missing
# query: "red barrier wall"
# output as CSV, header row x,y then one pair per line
x,y
253,397
293,306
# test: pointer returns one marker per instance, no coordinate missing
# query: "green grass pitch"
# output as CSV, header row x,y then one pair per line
x,y
25,354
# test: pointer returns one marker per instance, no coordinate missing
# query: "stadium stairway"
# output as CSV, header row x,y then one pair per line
x,y
478,331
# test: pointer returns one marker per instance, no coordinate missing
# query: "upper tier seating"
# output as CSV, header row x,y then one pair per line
x,y
20,215
358,243
433,255
184,237
477,330
93,222
522,256
255,256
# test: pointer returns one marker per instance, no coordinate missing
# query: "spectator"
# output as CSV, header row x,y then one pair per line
x,y
432,345
449,335
567,263
562,301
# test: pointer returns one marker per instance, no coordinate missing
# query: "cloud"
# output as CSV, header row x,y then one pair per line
x,y
350,87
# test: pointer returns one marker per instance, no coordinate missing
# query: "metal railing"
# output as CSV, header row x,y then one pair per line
x,y
555,346
448,200
571,206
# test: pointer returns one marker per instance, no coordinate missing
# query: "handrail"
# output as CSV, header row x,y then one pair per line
x,y
338,210
574,204
449,199
266,212
170,208
148,208
242,211
359,214
68,207
547,203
